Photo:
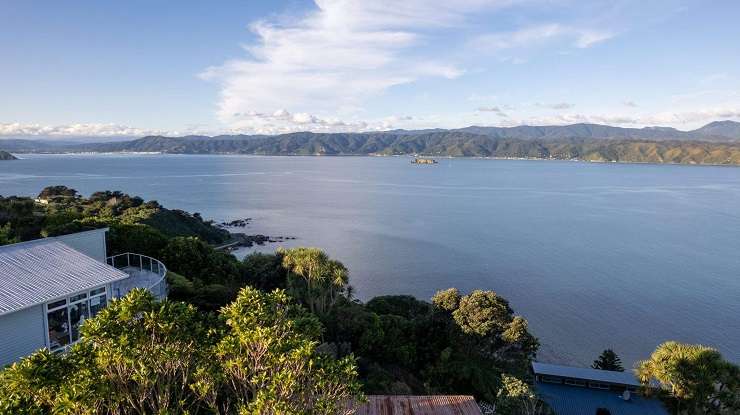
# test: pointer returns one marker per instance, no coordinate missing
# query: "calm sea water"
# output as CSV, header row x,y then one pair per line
x,y
593,255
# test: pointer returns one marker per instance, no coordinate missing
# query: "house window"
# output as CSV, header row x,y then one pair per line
x,y
58,328
64,317
549,379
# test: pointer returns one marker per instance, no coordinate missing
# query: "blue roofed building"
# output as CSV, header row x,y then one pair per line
x,y
583,391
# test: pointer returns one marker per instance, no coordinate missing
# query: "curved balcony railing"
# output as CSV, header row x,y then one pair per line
x,y
144,272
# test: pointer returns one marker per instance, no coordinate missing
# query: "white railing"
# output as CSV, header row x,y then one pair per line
x,y
130,261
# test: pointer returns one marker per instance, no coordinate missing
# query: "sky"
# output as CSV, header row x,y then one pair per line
x,y
139,67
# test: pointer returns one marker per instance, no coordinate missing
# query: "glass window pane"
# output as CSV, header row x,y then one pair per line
x,y
78,297
56,304
58,328
97,291
77,315
96,304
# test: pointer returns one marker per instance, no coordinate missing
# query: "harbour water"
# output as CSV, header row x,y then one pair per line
x,y
595,256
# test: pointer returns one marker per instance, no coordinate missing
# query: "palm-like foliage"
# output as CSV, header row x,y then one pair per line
x,y
316,279
697,376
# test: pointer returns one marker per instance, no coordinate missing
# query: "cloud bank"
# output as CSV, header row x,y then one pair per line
x,y
74,130
325,65
322,67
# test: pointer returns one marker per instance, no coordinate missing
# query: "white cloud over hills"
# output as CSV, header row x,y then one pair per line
x,y
685,120
73,130
323,67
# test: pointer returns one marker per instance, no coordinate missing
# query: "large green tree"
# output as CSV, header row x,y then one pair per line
x,y
697,376
141,356
269,362
491,327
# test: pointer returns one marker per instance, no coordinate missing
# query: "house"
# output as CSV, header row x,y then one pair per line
x,y
583,391
418,405
49,286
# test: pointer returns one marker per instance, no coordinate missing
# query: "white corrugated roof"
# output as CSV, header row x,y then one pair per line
x,y
621,378
39,271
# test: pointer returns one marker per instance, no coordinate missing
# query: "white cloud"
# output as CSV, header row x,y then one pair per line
x,y
326,65
332,60
678,119
539,35
556,106
588,38
497,110
74,130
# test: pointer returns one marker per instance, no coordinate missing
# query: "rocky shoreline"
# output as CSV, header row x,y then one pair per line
x,y
244,240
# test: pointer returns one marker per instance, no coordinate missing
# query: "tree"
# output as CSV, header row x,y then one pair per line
x,y
137,356
269,362
195,259
517,398
483,340
697,376
54,192
448,299
140,356
264,271
482,312
315,278
146,354
138,238
608,360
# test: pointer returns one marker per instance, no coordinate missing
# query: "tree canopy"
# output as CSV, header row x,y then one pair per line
x,y
315,278
140,356
697,376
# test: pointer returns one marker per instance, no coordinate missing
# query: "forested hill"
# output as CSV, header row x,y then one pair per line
x,y
445,143
715,143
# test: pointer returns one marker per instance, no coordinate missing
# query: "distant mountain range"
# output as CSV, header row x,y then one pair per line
x,y
715,143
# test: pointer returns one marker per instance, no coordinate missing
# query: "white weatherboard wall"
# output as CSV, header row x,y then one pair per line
x,y
90,243
21,333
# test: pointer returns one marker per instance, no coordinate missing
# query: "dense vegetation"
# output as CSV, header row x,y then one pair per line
x,y
133,222
139,356
282,332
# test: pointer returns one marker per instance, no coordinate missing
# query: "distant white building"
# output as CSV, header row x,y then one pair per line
x,y
48,287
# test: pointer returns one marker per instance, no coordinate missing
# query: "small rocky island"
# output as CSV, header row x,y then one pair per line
x,y
4,155
423,161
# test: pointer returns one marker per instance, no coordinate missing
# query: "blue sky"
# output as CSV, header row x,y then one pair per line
x,y
140,67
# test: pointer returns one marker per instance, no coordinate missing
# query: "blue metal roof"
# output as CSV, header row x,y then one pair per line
x,y
574,400
608,376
